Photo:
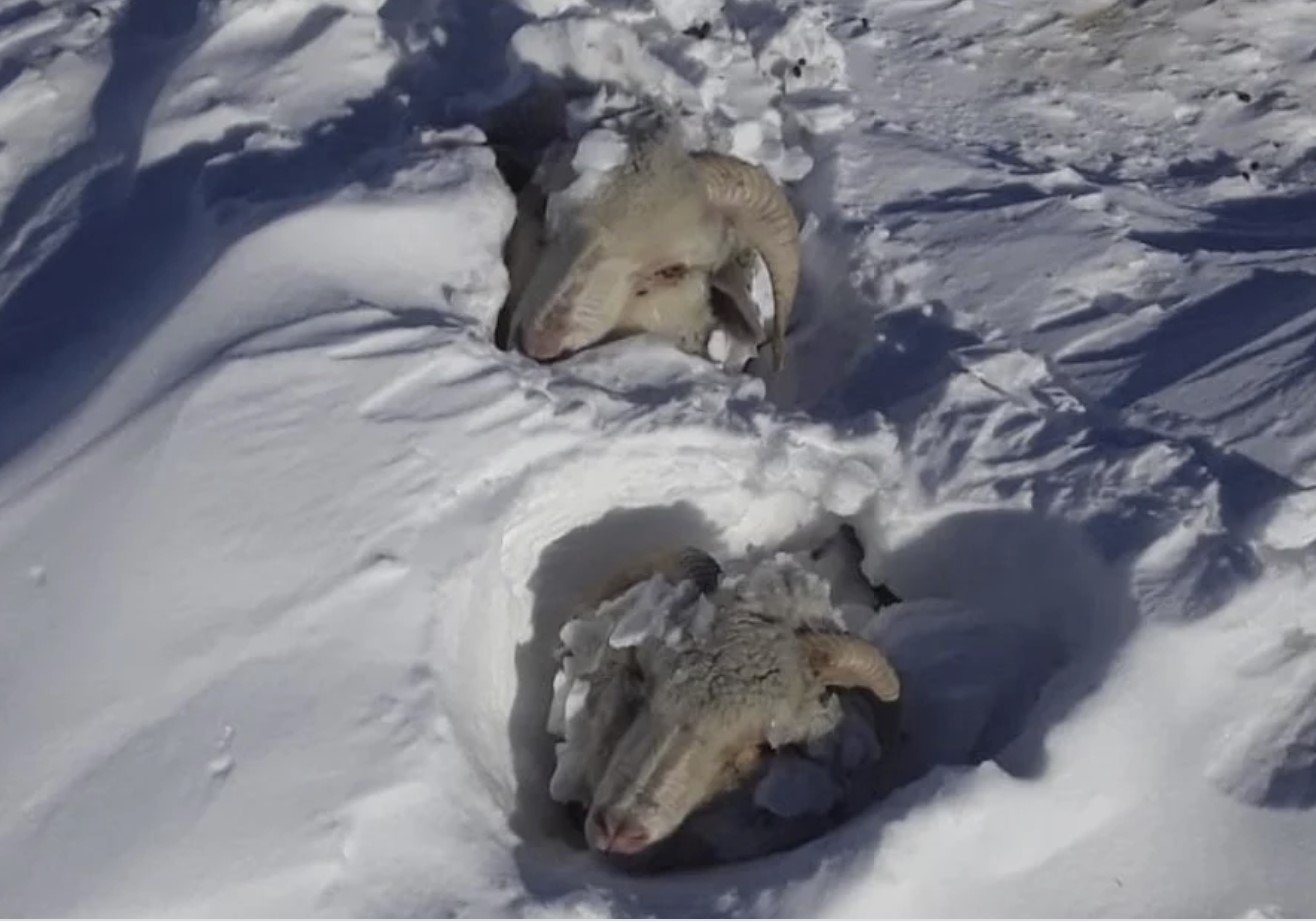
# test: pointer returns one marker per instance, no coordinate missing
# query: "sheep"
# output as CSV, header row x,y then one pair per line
x,y
666,246
672,719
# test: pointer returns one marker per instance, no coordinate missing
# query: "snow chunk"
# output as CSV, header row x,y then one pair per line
x,y
571,46
1293,524
806,54
685,13
1268,757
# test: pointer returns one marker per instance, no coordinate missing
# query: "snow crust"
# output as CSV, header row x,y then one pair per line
x,y
286,542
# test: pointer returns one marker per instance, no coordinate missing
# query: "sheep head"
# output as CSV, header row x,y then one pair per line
x,y
708,710
642,254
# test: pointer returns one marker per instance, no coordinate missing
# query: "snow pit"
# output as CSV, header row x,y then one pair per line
x,y
509,603
987,650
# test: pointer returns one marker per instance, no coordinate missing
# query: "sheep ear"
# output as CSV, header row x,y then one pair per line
x,y
733,303
698,567
843,661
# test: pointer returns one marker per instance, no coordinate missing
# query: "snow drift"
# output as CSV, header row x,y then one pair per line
x,y
283,535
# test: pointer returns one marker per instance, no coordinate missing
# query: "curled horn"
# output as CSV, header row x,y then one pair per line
x,y
758,209
843,661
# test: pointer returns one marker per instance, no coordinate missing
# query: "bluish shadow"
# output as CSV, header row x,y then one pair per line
x,y
1248,225
142,240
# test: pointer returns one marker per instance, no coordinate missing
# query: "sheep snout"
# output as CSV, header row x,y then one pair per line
x,y
543,342
610,830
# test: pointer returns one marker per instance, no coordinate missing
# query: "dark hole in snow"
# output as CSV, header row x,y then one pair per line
x,y
161,18
519,131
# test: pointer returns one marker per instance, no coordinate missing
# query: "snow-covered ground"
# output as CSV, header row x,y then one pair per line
x,y
284,539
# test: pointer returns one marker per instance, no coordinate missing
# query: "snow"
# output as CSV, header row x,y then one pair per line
x,y
267,72
285,540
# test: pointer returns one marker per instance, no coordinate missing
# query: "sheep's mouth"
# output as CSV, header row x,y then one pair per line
x,y
561,353
543,342
548,339
617,835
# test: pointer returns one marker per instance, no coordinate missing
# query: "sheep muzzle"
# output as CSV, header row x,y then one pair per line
x,y
545,340
616,833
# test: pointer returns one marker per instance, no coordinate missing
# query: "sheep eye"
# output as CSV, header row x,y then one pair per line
x,y
672,273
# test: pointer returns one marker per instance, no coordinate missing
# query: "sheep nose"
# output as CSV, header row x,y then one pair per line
x,y
539,346
620,834
544,339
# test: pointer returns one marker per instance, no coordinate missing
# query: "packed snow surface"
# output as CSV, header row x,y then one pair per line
x,y
285,540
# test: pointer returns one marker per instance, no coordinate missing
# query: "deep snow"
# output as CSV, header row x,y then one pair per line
x,y
285,541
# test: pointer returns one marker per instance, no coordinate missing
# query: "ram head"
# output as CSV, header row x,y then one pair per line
x,y
666,245
668,725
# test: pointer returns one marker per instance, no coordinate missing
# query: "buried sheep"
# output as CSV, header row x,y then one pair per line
x,y
687,681
665,246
